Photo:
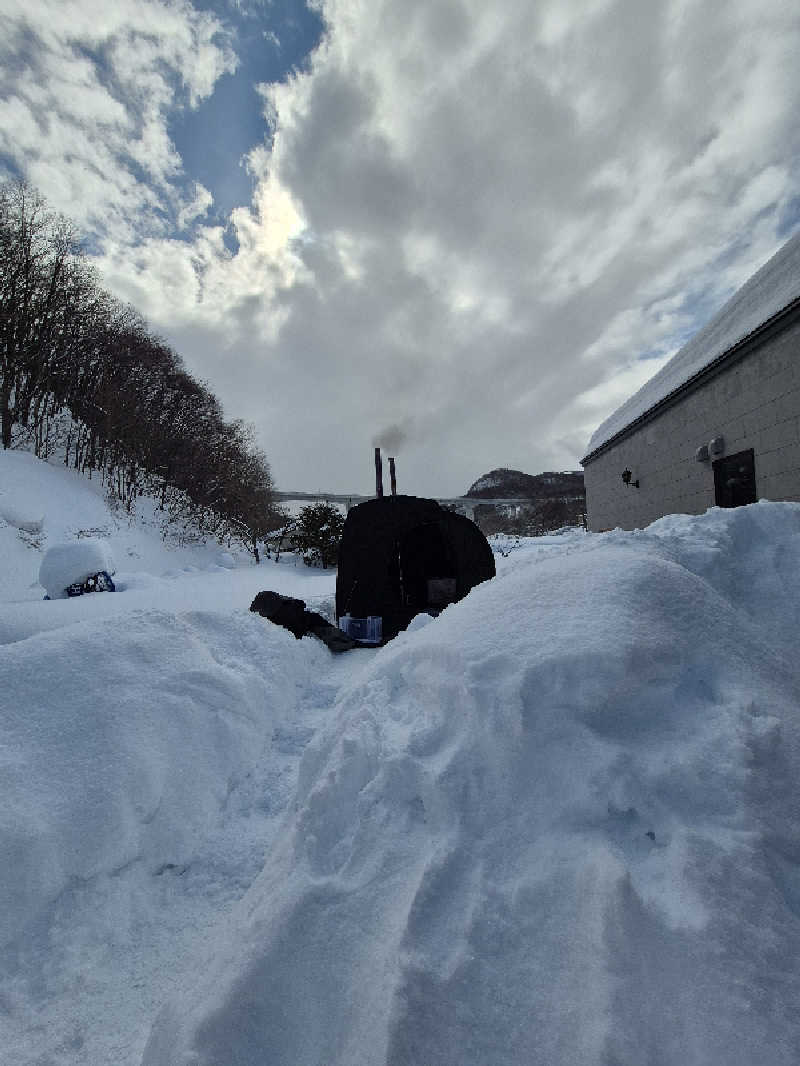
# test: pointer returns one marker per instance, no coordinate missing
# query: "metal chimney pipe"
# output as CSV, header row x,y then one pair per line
x,y
378,474
392,476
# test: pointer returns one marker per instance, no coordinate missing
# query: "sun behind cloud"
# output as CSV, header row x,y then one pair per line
x,y
480,220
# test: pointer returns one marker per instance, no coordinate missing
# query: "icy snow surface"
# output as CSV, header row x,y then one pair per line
x,y
769,290
557,825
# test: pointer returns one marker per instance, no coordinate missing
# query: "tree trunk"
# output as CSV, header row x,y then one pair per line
x,y
5,412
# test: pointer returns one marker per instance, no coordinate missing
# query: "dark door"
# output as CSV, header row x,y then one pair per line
x,y
735,480
427,567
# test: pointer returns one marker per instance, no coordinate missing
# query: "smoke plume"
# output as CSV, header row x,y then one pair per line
x,y
393,437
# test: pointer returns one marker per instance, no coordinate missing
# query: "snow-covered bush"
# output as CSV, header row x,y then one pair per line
x,y
318,533
69,564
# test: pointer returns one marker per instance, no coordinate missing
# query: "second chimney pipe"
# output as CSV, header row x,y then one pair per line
x,y
378,473
392,477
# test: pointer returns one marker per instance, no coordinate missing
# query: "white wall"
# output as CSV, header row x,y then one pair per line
x,y
753,403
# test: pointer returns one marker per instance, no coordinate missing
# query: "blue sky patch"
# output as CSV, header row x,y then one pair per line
x,y
270,41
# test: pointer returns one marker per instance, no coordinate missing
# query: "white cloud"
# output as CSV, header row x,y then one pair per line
x,y
472,221
539,175
86,96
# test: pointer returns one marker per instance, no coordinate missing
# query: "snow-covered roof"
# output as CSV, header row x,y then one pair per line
x,y
769,291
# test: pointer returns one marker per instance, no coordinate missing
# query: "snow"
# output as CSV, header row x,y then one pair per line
x,y
24,522
556,824
486,482
68,564
768,291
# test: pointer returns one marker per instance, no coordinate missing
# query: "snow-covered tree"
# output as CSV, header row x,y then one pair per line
x,y
318,534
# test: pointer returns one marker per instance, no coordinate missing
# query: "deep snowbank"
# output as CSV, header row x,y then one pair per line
x,y
149,742
557,826
127,747
118,778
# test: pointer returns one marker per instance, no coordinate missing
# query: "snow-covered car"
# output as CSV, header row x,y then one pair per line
x,y
76,568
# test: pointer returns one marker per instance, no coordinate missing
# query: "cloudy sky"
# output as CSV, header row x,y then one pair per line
x,y
467,231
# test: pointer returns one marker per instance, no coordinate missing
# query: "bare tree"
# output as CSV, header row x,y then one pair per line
x,y
48,299
72,356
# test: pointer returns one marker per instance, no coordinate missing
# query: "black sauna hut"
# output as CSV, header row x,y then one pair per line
x,y
401,556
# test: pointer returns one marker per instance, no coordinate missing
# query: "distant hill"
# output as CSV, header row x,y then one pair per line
x,y
505,484
557,498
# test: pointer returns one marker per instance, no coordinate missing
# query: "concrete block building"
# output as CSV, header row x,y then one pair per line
x,y
719,424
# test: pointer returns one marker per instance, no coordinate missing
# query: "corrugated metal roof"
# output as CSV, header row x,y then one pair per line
x,y
771,289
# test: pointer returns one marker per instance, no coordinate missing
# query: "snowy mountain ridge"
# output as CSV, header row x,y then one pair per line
x,y
505,483
550,501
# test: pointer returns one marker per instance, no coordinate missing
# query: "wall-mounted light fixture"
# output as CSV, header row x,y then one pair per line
x,y
701,455
716,446
626,477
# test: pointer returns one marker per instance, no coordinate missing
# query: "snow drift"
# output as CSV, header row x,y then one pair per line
x,y
558,825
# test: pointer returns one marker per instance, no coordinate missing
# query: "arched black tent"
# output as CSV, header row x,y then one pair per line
x,y
402,555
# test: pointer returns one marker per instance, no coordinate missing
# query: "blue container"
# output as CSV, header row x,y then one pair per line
x,y
367,630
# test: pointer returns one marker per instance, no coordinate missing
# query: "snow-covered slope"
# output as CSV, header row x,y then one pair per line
x,y
42,505
557,825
